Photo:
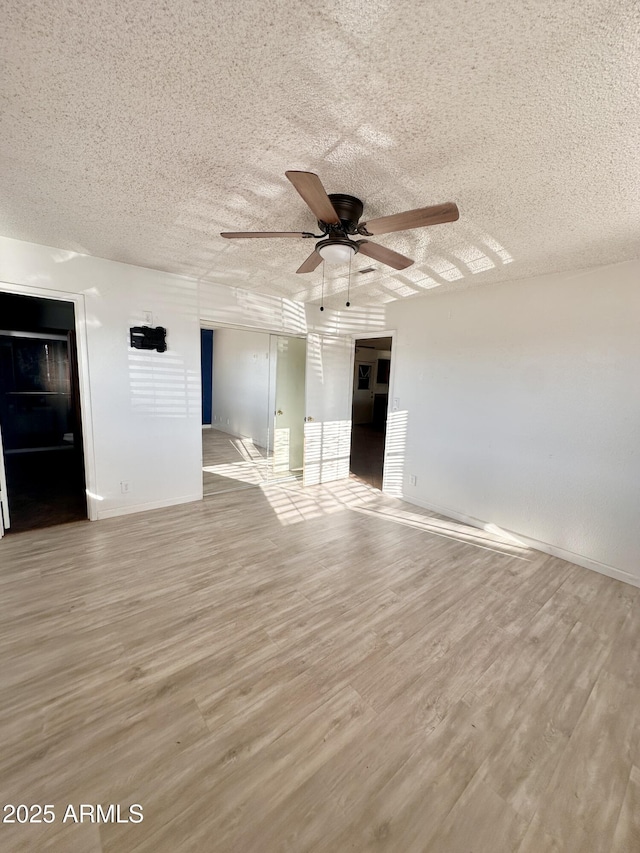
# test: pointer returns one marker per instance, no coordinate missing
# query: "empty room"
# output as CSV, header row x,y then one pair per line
x,y
319,427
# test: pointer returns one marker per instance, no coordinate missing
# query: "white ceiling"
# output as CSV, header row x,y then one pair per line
x,y
137,130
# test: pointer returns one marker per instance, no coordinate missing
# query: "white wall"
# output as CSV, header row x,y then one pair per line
x,y
241,384
233,306
144,407
522,408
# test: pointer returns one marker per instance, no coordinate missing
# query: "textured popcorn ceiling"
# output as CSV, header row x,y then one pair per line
x,y
138,130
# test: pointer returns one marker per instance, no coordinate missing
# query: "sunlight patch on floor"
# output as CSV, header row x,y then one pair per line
x,y
294,503
503,544
243,472
255,467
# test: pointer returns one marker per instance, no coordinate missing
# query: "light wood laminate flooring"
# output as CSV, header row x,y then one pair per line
x,y
366,460
231,463
321,669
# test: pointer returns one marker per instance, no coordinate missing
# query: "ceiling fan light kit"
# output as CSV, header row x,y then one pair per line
x,y
336,251
338,216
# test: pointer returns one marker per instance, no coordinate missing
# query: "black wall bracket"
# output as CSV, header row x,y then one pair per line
x,y
144,337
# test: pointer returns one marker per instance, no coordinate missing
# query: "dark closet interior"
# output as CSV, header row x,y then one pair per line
x,y
40,412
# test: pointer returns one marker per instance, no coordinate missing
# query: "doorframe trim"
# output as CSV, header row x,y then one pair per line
x,y
265,330
81,325
363,335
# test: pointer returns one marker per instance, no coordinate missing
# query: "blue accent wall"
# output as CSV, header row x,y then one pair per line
x,y
206,370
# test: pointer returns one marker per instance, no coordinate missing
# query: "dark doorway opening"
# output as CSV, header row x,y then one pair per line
x,y
40,413
372,365
206,374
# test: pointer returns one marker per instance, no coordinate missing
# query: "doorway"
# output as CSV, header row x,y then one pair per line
x,y
40,423
253,408
370,403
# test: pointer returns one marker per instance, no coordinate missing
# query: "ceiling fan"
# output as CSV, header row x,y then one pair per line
x,y
338,218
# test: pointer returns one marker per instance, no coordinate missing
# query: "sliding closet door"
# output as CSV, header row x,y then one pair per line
x,y
327,431
287,398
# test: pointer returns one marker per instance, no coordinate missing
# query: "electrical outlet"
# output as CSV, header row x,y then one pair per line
x,y
124,487
396,404
413,480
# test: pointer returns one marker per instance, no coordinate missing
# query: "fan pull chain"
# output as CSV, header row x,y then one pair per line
x,y
349,282
322,299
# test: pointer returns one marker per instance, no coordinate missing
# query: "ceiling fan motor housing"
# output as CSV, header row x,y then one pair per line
x,y
349,210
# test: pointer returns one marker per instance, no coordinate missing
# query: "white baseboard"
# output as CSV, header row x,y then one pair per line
x,y
545,547
129,510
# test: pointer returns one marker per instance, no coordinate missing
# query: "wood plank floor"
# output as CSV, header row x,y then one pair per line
x,y
231,463
321,669
367,453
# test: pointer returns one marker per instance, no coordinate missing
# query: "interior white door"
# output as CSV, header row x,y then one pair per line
x,y
289,404
4,498
327,431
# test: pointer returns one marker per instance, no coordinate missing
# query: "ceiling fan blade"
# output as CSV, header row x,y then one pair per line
x,y
384,255
310,188
235,235
311,263
419,218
